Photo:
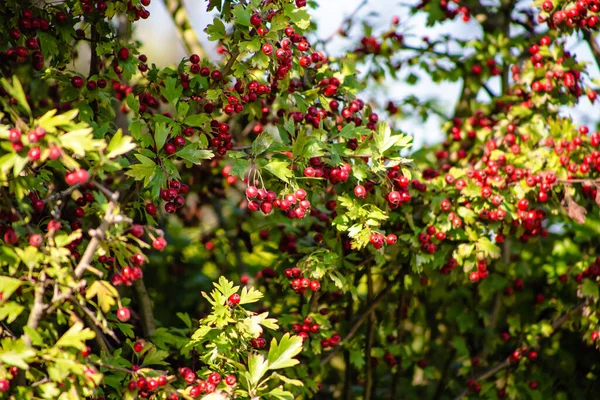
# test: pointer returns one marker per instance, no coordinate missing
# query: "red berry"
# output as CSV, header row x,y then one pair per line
x,y
360,191
214,378
234,299
230,380
35,240
124,53
159,243
255,19
138,347
77,81
123,314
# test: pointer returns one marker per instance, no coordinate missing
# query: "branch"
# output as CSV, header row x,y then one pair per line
x,y
593,43
97,234
100,338
184,29
361,320
37,311
67,294
146,314
370,331
560,321
89,314
62,194
233,57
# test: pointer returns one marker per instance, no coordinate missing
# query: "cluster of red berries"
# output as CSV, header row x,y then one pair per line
x,y
34,139
204,386
570,79
426,238
221,139
258,343
173,196
147,385
390,359
531,220
299,283
591,272
481,272
226,172
449,266
5,382
579,15
332,341
378,239
307,327
492,66
450,9
25,41
129,274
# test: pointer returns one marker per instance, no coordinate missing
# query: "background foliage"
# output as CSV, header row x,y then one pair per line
x,y
258,228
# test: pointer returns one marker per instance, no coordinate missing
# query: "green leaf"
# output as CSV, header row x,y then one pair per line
x,y
119,144
8,286
76,337
161,132
280,169
242,15
216,31
589,288
257,366
81,141
299,16
280,394
142,172
261,143
16,352
281,355
196,120
172,90
16,91
105,292
250,295
194,155
10,310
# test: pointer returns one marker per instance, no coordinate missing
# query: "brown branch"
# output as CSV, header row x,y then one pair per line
x,y
97,234
227,68
361,320
560,321
594,46
101,340
99,324
67,294
184,29
370,332
37,311
146,313
62,194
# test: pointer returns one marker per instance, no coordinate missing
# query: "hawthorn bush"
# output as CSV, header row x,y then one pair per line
x,y
261,228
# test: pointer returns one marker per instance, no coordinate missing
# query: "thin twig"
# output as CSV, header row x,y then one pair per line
x,y
95,320
96,236
361,320
184,28
560,321
37,311
594,46
146,313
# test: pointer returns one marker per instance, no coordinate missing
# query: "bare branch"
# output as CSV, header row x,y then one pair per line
x,y
560,321
146,314
361,320
95,240
184,29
